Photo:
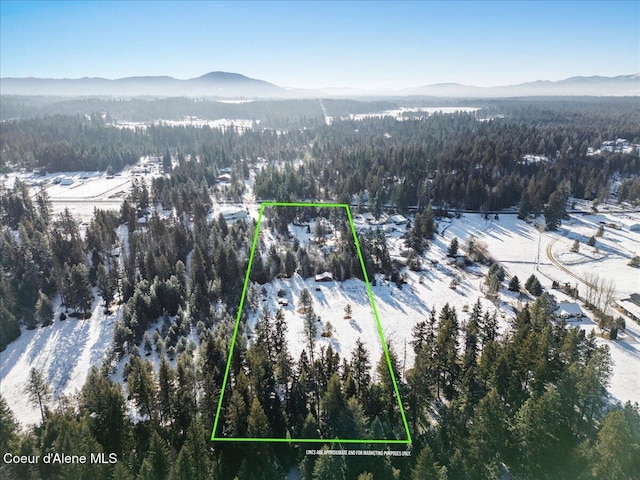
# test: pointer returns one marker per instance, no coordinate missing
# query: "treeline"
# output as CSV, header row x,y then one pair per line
x,y
629,190
531,404
268,113
452,160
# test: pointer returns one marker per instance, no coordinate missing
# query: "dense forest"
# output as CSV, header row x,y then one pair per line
x,y
480,405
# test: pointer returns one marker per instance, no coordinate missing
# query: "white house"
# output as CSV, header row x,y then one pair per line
x,y
324,277
630,224
233,214
567,310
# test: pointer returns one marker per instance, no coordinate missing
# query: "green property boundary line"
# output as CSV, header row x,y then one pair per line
x,y
408,440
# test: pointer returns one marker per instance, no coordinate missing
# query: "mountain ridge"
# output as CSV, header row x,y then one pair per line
x,y
229,85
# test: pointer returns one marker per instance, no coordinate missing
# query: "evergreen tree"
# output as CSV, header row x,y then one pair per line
x,y
617,448
427,467
469,372
193,462
44,309
156,463
103,404
514,284
257,422
166,391
533,286
332,410
361,368
330,467
305,301
79,295
575,248
453,247
555,210
38,390
107,283
446,352
141,386
8,428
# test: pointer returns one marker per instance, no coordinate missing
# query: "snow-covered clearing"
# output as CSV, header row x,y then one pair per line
x,y
398,310
64,351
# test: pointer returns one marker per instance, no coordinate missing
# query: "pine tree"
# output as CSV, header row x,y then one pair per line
x,y
156,463
311,332
446,353
38,390
387,388
514,284
305,301
555,210
361,368
575,248
264,332
453,247
103,404
107,284
8,428
44,309
193,462
332,408
330,467
79,295
141,386
166,391
426,466
469,371
533,286
257,423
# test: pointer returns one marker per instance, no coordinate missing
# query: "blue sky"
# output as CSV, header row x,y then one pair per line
x,y
309,44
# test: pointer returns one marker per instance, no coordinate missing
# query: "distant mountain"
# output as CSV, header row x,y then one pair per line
x,y
234,85
218,84
596,85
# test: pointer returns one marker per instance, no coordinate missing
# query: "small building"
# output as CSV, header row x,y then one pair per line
x,y
66,181
368,217
629,307
398,219
324,277
224,178
630,224
233,214
568,310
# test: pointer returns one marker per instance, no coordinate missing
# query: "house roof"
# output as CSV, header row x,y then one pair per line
x,y
324,276
630,307
569,309
398,219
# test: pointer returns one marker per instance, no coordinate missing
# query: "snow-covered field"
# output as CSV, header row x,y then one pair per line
x,y
518,246
64,351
